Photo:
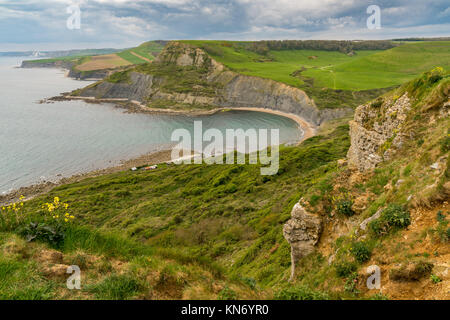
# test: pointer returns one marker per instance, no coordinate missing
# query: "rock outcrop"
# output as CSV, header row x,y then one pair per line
x,y
302,232
232,90
376,133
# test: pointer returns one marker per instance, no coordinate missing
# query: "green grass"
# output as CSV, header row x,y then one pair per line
x,y
144,50
189,224
331,69
222,213
387,68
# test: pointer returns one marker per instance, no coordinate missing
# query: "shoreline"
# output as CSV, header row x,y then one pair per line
x,y
151,158
308,129
31,191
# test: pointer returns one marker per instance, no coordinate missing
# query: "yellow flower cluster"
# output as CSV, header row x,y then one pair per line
x,y
14,207
58,210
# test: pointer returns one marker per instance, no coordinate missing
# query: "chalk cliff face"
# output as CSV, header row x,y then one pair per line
x,y
376,132
233,90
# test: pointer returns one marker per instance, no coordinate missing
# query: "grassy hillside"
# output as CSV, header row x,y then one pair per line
x,y
387,68
368,69
199,231
92,62
142,54
334,78
229,217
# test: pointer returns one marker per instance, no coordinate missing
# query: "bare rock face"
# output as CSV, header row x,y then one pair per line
x,y
302,231
376,133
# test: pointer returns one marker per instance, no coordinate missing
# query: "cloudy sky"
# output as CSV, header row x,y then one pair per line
x,y
42,24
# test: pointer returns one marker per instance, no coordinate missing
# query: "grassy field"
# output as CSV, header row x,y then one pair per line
x,y
384,69
145,50
142,54
331,69
332,78
102,62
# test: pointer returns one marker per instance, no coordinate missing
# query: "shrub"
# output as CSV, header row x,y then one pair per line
x,y
445,143
345,268
344,207
435,279
53,235
351,284
393,217
227,294
361,251
300,293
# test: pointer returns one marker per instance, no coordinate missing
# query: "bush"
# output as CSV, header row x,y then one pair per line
x,y
394,217
345,207
345,268
445,144
300,293
53,235
227,294
361,251
435,279
351,283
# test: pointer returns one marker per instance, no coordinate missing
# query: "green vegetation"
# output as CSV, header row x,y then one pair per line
x,y
333,78
142,54
177,213
192,231
146,50
394,217
361,251
333,69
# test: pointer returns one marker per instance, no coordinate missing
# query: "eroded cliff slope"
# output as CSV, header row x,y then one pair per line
x,y
186,77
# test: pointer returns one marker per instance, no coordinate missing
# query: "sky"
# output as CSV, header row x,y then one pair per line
x,y
42,24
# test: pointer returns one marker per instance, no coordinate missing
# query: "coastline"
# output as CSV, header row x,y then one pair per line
x,y
308,129
152,158
34,190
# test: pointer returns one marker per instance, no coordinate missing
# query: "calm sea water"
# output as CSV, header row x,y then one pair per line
x,y
46,141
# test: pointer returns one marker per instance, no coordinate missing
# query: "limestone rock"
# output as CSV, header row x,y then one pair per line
x,y
375,133
302,232
365,223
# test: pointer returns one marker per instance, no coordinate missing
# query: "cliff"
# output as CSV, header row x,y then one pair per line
x,y
188,76
71,67
386,206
